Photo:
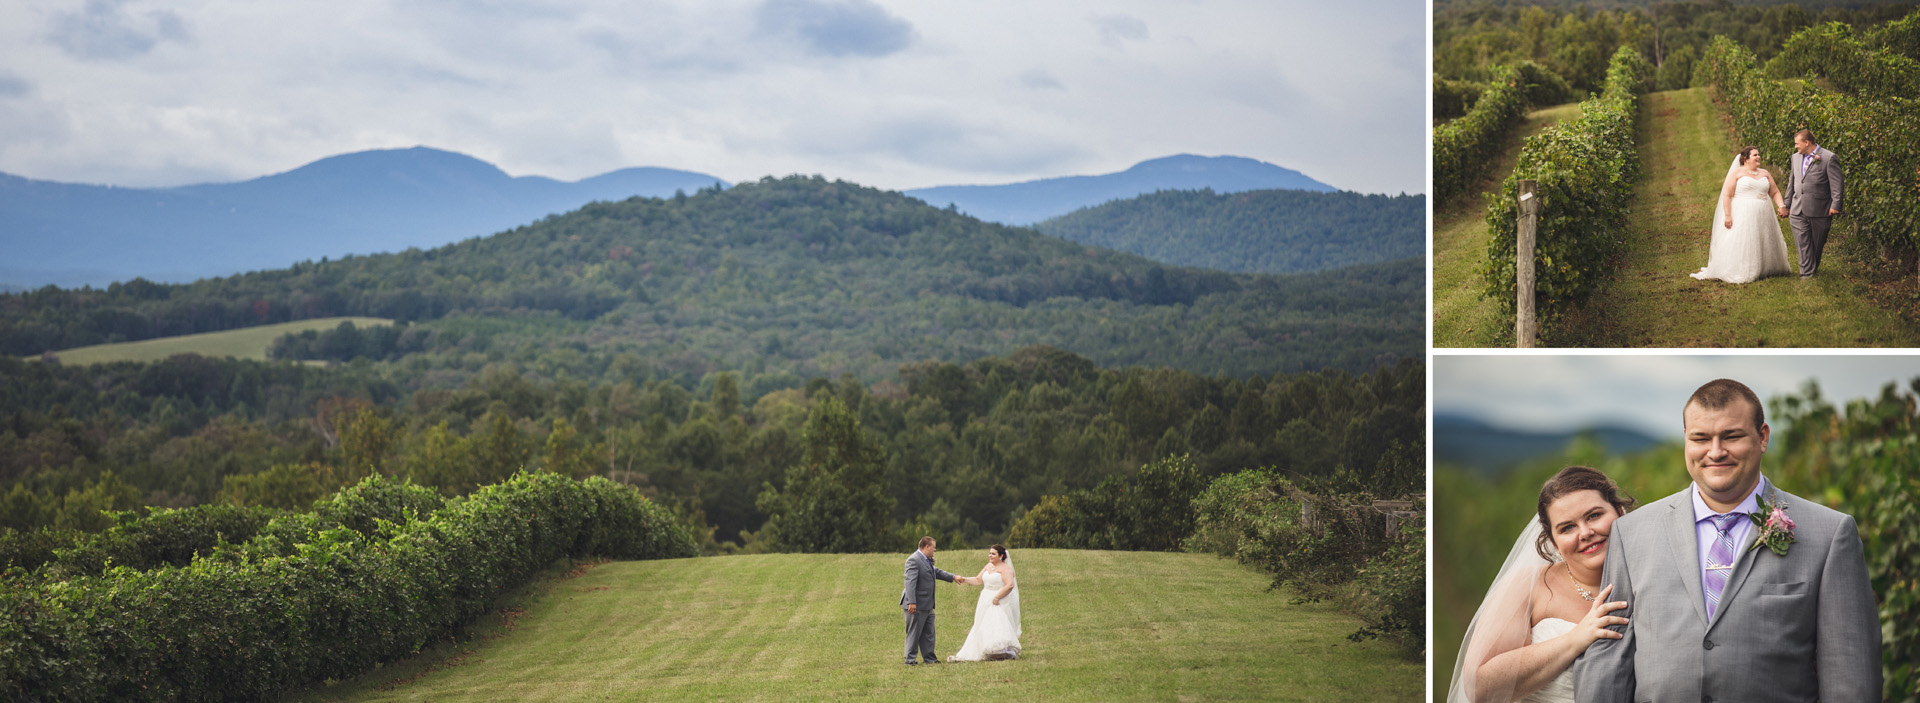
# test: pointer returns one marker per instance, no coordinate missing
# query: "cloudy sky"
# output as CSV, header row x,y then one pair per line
x,y
1554,393
891,93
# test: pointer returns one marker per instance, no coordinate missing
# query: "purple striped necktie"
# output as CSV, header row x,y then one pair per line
x,y
1719,560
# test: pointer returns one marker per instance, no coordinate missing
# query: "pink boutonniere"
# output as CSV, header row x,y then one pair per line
x,y
1776,529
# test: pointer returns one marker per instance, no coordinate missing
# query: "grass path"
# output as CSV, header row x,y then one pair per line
x,y
244,343
1685,147
1461,318
785,627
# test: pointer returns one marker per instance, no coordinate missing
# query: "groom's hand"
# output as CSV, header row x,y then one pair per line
x,y
913,608
1782,211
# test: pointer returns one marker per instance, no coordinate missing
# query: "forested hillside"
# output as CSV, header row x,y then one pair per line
x,y
792,277
1261,231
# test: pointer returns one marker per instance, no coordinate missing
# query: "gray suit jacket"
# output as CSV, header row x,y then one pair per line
x,y
1789,628
920,582
1820,190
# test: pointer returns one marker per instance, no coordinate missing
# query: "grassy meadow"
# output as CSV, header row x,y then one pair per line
x,y
246,343
1106,626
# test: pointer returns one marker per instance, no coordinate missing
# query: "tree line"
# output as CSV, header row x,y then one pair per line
x,y
964,449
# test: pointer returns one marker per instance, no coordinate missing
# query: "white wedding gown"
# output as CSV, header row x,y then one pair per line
x,y
1560,689
1754,247
996,628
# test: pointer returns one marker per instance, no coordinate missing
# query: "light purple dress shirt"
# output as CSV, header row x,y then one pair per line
x,y
1705,534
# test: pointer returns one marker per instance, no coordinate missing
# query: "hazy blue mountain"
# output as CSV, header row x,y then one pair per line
x,y
1488,449
1033,201
361,203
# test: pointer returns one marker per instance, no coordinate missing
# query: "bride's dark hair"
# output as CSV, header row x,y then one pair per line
x,y
1000,550
1746,152
1571,480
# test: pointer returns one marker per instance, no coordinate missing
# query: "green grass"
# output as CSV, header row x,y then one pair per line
x,y
248,343
1650,301
1096,626
1461,318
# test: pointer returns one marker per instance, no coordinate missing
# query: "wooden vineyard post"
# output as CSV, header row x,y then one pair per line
x,y
1526,322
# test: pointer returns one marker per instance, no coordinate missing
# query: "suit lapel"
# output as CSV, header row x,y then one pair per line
x,y
1683,544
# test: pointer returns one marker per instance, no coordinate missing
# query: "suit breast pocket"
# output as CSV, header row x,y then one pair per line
x,y
1796,588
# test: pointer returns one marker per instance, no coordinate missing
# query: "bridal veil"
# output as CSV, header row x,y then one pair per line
x,y
1503,622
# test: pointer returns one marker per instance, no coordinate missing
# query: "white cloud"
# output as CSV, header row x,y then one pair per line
x,y
894,93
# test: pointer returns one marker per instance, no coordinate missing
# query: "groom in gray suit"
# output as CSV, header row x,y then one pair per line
x,y
917,600
1714,621
1814,186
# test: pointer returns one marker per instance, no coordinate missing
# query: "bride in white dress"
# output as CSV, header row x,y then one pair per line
x,y
996,618
1542,610
1747,244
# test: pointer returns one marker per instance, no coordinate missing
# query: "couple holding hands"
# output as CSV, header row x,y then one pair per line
x,y
996,617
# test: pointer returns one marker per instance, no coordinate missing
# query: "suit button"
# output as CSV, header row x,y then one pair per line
x,y
1709,645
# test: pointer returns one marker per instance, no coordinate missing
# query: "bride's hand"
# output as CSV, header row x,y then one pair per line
x,y
1594,625
1729,223
996,601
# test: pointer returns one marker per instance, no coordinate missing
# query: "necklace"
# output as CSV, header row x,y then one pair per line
x,y
1584,593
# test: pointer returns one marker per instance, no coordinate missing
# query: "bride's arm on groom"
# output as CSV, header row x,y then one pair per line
x,y
1604,673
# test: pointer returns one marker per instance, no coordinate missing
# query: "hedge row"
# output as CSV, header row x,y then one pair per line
x,y
1584,171
305,602
1463,147
1877,141
1831,50
1453,98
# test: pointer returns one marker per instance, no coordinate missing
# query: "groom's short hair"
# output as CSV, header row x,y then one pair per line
x,y
1721,392
1805,135
924,541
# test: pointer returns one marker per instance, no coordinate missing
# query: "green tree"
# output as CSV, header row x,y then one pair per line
x,y
835,499
565,456
365,443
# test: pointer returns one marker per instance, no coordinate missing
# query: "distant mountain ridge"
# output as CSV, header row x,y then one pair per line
x,y
361,203
394,199
1490,450
1029,202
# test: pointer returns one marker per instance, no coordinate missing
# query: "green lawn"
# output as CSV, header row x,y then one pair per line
x,y
247,343
1650,301
1461,318
1097,626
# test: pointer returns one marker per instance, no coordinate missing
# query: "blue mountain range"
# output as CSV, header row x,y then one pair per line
x,y
390,200
1033,201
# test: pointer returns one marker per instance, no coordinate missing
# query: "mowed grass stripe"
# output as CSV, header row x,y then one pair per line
x,y
247,343
1097,626
1461,317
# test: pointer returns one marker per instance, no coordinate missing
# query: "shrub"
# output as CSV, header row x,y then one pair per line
x,y
1394,588
1584,171
1152,511
1831,50
163,537
28,549
1453,98
1462,147
294,608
